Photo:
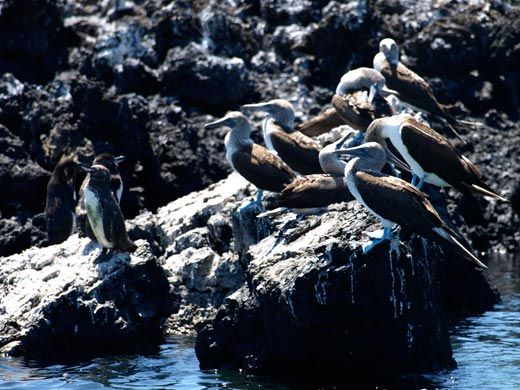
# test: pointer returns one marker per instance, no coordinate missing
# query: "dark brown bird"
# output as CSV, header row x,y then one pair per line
x,y
298,151
412,88
61,201
430,156
319,190
394,201
357,102
103,212
253,162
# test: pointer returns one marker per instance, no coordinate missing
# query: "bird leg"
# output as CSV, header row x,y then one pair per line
x,y
257,203
104,256
421,182
387,234
415,178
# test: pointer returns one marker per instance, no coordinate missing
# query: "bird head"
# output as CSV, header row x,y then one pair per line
x,y
66,171
97,173
390,49
371,155
233,119
280,110
109,161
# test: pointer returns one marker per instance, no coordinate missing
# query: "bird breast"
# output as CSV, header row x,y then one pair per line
x,y
95,217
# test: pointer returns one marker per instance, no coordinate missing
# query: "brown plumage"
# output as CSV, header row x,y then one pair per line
x,y
312,191
357,112
297,150
260,167
321,123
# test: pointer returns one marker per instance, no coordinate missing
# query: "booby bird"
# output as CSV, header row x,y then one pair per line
x,y
394,201
357,102
254,162
103,212
61,201
412,88
431,157
318,190
298,151
116,184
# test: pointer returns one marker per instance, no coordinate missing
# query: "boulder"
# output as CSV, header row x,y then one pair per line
x,y
61,302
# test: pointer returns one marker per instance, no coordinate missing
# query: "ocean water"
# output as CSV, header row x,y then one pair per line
x,y
486,347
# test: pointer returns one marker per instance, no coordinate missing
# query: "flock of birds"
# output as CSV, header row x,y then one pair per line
x,y
306,176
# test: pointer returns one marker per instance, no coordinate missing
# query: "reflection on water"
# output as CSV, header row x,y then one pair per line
x,y
487,350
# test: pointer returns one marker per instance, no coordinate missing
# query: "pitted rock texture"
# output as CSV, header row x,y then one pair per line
x,y
58,303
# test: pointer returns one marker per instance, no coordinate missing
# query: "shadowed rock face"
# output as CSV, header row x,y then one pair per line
x,y
312,300
56,303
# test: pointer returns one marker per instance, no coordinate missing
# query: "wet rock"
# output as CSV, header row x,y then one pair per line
x,y
58,303
312,300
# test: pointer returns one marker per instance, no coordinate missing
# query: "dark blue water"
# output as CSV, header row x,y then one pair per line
x,y
487,350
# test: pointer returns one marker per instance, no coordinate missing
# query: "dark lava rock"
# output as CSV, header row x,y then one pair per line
x,y
33,39
202,80
57,303
313,301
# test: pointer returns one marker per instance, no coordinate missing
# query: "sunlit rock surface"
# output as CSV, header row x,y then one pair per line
x,y
57,302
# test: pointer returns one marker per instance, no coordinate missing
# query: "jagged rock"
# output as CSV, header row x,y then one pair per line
x,y
313,301
56,302
202,80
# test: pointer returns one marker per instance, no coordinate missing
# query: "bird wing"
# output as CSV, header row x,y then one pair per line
x,y
113,221
412,88
437,155
396,200
262,168
355,109
300,152
320,124
313,191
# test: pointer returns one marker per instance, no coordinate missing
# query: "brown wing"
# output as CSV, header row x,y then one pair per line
x,y
413,89
396,200
312,191
262,168
357,111
320,124
297,150
437,155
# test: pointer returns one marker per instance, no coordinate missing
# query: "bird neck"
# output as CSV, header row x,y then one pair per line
x,y
239,135
358,164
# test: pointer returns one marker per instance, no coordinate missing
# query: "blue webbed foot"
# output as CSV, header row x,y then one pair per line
x,y
377,238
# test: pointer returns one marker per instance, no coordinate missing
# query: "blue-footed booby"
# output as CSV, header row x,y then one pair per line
x,y
61,201
430,156
394,201
253,162
357,102
319,190
103,212
412,88
294,148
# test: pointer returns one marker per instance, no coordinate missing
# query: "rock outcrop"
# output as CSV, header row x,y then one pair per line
x,y
312,300
58,303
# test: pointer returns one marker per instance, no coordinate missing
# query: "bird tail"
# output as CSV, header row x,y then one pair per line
x,y
449,236
487,192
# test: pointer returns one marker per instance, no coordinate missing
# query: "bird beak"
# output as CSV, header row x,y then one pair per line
x,y
392,158
387,91
265,106
120,159
372,94
357,151
218,123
